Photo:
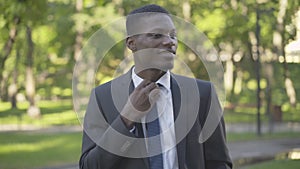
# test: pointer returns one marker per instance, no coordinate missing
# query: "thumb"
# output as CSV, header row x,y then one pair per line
x,y
154,95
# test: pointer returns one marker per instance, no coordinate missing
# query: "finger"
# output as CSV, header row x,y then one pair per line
x,y
154,95
147,89
143,84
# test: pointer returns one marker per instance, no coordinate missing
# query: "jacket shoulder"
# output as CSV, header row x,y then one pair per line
x,y
203,84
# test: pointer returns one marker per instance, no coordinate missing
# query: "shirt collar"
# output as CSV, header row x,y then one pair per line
x,y
164,80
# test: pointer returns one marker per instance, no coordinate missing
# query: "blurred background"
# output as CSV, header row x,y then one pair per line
x,y
258,42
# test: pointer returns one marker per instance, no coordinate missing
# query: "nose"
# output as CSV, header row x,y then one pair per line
x,y
169,41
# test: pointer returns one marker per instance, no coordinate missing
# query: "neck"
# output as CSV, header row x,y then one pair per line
x,y
150,74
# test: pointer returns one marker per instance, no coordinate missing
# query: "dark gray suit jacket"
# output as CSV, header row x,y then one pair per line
x,y
212,154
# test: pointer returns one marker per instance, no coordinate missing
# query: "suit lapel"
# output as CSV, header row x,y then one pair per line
x,y
176,97
119,90
123,86
120,87
139,127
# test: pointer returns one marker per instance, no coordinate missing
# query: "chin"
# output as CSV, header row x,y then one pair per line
x,y
167,67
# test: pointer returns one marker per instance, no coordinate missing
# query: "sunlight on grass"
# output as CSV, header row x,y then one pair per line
x,y
30,147
58,103
52,113
4,106
24,150
20,147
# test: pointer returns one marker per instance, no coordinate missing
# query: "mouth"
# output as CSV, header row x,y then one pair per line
x,y
172,51
169,51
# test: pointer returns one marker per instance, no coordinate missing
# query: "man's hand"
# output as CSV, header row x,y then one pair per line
x,y
140,102
140,96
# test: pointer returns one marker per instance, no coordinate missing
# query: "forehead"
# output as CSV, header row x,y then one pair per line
x,y
152,23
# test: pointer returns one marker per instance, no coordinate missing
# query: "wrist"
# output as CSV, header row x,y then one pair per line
x,y
128,123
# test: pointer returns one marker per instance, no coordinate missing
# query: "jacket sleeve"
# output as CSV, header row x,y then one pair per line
x,y
216,151
215,147
102,146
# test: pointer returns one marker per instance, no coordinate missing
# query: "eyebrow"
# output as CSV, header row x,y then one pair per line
x,y
159,30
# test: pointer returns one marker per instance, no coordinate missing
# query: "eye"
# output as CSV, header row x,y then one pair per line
x,y
155,35
173,35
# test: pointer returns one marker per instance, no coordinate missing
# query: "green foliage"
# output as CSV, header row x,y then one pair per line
x,y
30,11
211,22
56,23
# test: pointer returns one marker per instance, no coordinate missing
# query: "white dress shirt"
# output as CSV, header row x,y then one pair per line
x,y
166,120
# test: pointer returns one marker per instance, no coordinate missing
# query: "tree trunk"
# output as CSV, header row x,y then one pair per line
x,y
186,10
3,88
229,76
119,5
13,89
79,32
279,43
33,110
30,84
269,76
5,52
298,24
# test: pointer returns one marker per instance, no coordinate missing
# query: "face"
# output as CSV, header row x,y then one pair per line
x,y
155,44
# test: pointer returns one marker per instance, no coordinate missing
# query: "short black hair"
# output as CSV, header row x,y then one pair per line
x,y
149,8
144,11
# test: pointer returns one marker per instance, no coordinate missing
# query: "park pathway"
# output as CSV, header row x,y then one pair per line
x,y
249,152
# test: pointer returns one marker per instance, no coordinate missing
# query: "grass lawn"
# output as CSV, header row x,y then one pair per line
x,y
36,150
53,113
60,112
231,137
277,164
24,150
242,114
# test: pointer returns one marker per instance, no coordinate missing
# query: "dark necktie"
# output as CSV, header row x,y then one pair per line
x,y
153,129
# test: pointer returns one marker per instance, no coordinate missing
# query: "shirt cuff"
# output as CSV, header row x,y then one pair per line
x,y
132,129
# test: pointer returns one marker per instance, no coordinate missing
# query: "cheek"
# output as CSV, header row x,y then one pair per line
x,y
146,55
148,43
153,58
147,58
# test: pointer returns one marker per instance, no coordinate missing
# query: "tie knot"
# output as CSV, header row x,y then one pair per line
x,y
160,85
163,88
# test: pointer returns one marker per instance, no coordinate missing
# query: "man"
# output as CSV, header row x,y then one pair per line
x,y
150,118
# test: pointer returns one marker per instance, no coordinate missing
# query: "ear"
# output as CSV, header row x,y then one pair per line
x,y
130,43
